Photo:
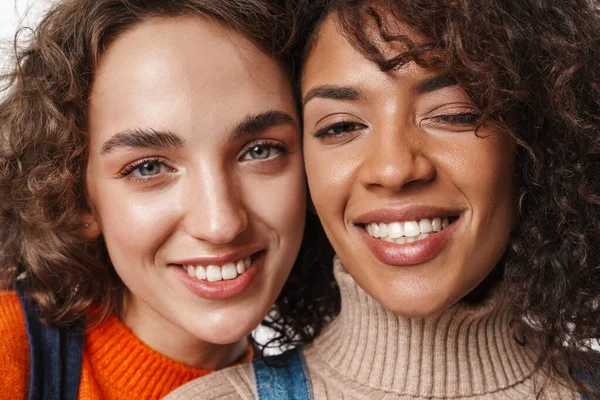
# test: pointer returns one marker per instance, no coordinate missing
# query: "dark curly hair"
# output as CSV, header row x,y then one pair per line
x,y
43,155
533,69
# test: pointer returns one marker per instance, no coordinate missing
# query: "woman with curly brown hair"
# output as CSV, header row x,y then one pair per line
x,y
153,198
452,151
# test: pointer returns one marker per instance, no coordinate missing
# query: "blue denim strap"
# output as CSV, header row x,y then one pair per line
x,y
285,378
55,354
592,383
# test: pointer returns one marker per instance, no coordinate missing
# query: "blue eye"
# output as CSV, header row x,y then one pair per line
x,y
146,168
259,152
263,151
150,168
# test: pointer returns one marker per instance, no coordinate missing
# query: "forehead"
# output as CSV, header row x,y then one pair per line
x,y
183,66
332,59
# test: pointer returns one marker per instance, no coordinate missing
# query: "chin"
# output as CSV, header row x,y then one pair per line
x,y
415,305
226,332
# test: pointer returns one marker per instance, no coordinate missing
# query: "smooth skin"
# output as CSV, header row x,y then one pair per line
x,y
195,151
377,140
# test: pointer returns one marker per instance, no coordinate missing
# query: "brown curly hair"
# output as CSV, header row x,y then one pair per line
x,y
533,69
43,155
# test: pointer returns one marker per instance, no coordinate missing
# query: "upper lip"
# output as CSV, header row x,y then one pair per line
x,y
220,259
405,213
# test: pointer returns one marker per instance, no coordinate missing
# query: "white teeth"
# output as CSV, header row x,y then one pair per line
x,y
436,224
215,273
229,271
395,230
407,232
425,225
375,228
411,229
383,230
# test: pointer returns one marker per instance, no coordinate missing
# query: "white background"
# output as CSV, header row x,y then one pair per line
x,y
15,14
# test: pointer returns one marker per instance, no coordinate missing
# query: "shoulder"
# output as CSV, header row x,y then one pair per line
x,y
12,324
14,350
234,383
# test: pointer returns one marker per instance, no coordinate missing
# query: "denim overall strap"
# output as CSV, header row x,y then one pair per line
x,y
593,382
285,378
55,355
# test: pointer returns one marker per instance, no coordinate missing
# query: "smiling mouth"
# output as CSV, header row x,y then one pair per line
x,y
404,232
216,273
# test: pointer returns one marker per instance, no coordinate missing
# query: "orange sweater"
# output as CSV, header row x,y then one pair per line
x,y
116,364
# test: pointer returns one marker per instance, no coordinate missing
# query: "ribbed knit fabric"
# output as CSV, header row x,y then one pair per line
x,y
466,352
116,364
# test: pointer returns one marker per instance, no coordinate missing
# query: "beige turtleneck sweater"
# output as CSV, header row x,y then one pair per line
x,y
369,353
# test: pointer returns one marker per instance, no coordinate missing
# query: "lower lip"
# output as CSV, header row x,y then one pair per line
x,y
220,290
411,253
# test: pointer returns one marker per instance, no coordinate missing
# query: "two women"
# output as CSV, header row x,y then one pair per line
x,y
451,151
153,196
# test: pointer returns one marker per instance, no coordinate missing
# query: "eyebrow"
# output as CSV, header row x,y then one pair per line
x,y
147,137
435,83
142,137
332,92
255,123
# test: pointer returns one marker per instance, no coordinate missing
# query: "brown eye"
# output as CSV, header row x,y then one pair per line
x,y
460,119
338,129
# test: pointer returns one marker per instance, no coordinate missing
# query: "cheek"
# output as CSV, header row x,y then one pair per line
x,y
133,223
280,202
483,169
331,178
493,172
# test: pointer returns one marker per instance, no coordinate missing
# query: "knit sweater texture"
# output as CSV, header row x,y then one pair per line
x,y
116,364
466,352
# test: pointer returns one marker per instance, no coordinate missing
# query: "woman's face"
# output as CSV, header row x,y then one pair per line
x,y
418,208
195,178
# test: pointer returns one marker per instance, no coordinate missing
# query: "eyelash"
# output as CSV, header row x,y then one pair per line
x,y
322,133
465,118
128,170
267,145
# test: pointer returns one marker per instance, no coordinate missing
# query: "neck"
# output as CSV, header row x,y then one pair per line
x,y
465,350
172,341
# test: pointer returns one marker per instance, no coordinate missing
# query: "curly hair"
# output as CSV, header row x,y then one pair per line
x,y
43,156
533,69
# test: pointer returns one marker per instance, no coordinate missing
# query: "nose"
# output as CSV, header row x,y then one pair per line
x,y
215,210
396,159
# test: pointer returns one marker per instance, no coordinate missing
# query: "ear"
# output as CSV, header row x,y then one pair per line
x,y
91,228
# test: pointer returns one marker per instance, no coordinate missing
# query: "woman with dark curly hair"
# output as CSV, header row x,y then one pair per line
x,y
452,151
153,198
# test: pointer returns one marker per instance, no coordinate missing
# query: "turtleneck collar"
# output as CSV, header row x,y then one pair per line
x,y
464,351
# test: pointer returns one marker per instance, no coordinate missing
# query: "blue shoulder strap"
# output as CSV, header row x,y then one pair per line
x,y
592,376
55,355
593,381
285,378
